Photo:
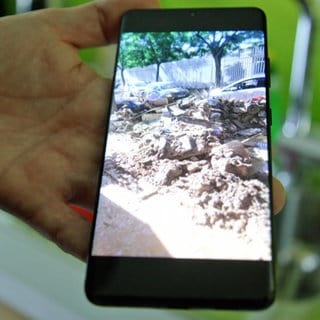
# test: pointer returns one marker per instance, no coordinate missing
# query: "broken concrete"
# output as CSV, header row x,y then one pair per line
x,y
208,153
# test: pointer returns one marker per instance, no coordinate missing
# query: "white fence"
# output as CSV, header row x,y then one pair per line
x,y
199,71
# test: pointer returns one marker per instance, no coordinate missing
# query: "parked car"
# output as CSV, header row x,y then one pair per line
x,y
157,90
244,89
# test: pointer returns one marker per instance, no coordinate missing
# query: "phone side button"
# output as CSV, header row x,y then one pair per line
x,y
268,73
270,116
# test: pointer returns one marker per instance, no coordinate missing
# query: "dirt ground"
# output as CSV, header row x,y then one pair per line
x,y
186,180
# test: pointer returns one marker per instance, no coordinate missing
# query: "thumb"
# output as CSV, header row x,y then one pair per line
x,y
93,24
279,196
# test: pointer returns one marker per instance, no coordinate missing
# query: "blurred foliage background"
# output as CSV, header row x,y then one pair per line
x,y
298,263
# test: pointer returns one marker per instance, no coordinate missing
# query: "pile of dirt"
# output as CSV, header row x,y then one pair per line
x,y
212,151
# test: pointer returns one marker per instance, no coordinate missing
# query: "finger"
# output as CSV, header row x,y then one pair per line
x,y
112,10
73,236
93,24
53,218
65,227
279,196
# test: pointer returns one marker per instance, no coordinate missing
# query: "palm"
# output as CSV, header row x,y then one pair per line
x,y
52,109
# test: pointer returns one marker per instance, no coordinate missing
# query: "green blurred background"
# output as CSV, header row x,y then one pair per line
x,y
298,269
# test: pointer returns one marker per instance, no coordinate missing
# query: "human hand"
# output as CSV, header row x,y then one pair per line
x,y
52,122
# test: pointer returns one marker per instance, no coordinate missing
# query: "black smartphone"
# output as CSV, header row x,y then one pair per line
x,y
184,209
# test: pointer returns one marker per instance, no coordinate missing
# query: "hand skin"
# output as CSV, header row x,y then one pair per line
x,y
52,117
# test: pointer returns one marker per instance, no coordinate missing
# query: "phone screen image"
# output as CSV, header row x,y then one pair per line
x,y
186,163
185,186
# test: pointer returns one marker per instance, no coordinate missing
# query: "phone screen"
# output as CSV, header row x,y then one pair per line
x,y
186,168
186,164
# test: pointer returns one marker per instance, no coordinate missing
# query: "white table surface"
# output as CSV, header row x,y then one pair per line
x,y
41,282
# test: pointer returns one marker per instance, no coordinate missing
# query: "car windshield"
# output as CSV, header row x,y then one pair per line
x,y
246,84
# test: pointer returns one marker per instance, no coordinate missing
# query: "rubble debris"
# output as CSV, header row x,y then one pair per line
x,y
211,148
205,112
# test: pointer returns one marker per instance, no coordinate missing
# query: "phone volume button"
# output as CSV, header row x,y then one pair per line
x,y
268,73
270,116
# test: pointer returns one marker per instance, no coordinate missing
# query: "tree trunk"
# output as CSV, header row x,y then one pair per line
x,y
217,61
158,72
122,76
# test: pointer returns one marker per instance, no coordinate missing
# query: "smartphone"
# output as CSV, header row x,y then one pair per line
x,y
184,210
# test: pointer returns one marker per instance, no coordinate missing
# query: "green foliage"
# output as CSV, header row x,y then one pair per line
x,y
155,48
8,7
219,43
144,49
